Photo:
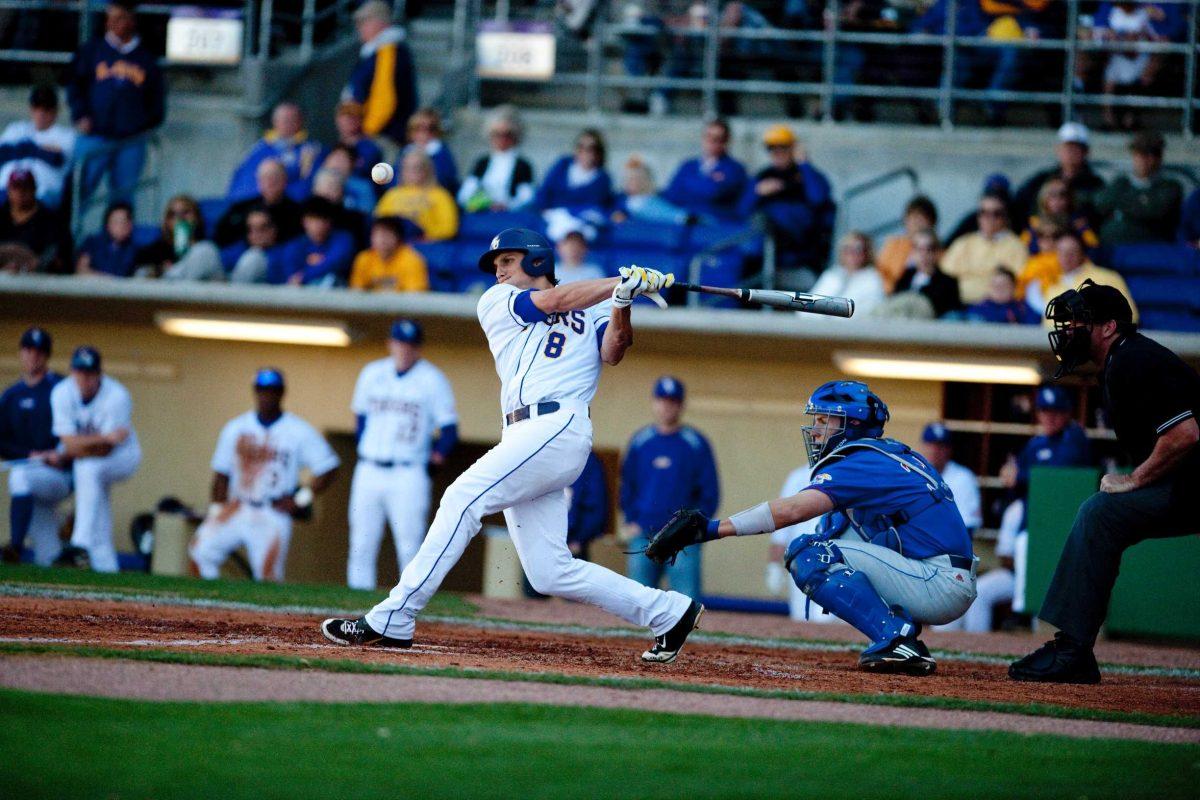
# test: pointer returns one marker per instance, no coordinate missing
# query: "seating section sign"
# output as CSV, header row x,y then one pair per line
x,y
515,50
204,36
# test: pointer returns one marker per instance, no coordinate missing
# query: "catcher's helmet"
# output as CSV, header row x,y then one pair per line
x,y
862,412
539,255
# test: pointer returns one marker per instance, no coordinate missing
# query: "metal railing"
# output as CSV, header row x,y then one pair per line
x,y
885,181
816,55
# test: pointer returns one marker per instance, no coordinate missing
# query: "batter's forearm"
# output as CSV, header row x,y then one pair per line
x,y
572,296
1171,448
618,337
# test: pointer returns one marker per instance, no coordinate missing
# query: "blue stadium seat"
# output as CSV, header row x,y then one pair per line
x,y
211,210
701,237
1181,321
442,258
723,269
1164,293
646,235
1155,259
486,224
144,235
663,260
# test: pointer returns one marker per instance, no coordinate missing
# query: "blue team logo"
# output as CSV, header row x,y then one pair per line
x,y
495,243
662,462
822,478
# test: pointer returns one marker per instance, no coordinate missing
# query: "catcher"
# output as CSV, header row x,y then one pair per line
x,y
891,552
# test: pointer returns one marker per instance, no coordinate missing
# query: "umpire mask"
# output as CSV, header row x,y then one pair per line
x,y
1075,313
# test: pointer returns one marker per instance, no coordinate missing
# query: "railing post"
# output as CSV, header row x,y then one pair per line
x,y
712,44
248,32
472,28
946,100
306,30
1072,48
833,13
85,20
1189,83
595,51
264,29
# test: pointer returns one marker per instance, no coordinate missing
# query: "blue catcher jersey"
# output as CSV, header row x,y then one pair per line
x,y
892,497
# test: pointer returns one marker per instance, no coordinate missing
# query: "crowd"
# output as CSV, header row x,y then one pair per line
x,y
302,212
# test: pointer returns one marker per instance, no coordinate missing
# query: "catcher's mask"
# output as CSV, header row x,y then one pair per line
x,y
1075,313
851,410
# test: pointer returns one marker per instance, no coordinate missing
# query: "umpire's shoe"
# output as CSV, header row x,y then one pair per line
x,y
904,655
666,647
358,632
1060,660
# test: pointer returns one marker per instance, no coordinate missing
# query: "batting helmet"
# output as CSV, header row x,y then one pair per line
x,y
862,412
539,255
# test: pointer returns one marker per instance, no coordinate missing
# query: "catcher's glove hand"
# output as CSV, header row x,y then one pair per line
x,y
686,527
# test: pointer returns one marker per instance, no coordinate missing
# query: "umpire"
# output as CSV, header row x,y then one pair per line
x,y
1151,399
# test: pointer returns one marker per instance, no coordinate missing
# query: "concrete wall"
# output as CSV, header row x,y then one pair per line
x,y
185,389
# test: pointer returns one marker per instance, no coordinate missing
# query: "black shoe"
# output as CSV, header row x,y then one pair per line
x,y
667,646
358,632
904,655
1060,660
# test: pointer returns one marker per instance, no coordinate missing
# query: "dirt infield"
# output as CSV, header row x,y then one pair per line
x,y
464,645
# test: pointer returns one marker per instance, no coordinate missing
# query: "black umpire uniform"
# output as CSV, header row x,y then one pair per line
x,y
1148,393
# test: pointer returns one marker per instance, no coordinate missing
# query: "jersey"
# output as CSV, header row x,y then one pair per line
x,y
401,412
1068,448
539,356
893,497
26,422
663,473
964,485
109,410
263,462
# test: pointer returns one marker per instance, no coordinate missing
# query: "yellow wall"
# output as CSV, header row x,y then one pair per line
x,y
185,389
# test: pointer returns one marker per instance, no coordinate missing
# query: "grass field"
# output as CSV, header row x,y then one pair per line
x,y
78,747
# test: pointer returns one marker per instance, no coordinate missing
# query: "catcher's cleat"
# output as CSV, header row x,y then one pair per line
x,y
904,655
666,647
1060,660
358,632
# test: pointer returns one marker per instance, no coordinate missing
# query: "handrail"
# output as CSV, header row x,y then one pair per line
x,y
871,184
747,234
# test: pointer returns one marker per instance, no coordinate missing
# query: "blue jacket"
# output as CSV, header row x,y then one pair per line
x,y
587,518
300,158
25,418
801,214
1014,313
1068,449
971,21
366,155
318,262
275,257
109,257
716,193
662,474
385,83
1189,219
556,192
893,497
122,94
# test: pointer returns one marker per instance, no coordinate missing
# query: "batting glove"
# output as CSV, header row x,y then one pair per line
x,y
633,282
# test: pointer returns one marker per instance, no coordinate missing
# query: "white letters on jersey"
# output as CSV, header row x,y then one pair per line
x,y
263,463
558,359
110,410
402,412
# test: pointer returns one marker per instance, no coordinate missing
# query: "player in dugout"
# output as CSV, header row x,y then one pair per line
x,y
1151,398
891,552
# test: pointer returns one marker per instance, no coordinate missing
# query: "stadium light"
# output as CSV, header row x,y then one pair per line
x,y
1022,373
320,334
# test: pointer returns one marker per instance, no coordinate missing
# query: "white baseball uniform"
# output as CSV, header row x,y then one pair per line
x,y
263,464
111,409
800,608
526,475
401,413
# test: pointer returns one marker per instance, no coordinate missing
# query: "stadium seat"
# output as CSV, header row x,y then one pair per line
x,y
144,235
486,224
445,263
1181,321
1156,259
645,235
211,210
1164,293
702,237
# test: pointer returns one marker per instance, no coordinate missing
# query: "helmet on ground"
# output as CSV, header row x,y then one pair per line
x,y
539,254
862,415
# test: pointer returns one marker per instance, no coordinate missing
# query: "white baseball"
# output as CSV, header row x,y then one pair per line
x,y
382,173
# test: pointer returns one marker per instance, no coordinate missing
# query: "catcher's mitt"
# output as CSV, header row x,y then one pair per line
x,y
687,526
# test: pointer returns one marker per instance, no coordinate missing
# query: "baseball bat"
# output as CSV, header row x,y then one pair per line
x,y
793,301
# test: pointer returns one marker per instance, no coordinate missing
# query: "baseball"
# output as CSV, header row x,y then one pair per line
x,y
382,173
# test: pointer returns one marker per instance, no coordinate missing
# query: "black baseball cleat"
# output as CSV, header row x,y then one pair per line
x,y
666,647
904,655
1060,660
358,632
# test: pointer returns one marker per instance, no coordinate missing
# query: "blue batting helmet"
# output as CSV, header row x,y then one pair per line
x,y
539,255
862,413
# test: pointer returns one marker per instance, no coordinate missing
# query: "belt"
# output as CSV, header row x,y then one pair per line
x,y
387,464
525,412
961,562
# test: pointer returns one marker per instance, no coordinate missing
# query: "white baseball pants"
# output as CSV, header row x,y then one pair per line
x,y
47,487
991,588
263,531
396,495
526,476
94,477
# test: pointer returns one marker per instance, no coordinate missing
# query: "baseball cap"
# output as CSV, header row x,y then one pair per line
x,y
86,359
997,184
669,388
23,178
268,378
1105,302
408,331
935,433
1052,398
37,339
43,97
1074,133
1149,142
779,136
